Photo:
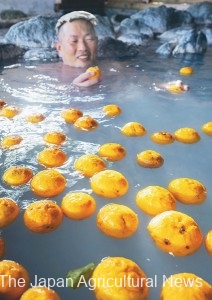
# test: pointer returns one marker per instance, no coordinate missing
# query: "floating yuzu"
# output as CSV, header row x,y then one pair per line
x,y
155,199
150,159
112,151
89,164
111,110
188,190
119,278
48,183
40,293
133,129
17,175
86,123
109,184
14,280
52,157
175,233
117,221
78,205
9,211
43,216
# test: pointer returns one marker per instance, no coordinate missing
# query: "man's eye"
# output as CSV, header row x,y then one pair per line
x,y
90,38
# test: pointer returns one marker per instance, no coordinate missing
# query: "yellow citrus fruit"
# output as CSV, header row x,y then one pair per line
x,y
40,293
187,135
54,137
78,205
112,151
17,175
86,123
2,247
9,211
89,164
14,280
122,279
70,115
43,216
133,129
175,88
109,184
188,190
175,233
48,183
162,137
208,242
207,128
186,71
9,111
116,220
111,110
155,199
150,159
185,286
96,70
51,157
11,140
35,118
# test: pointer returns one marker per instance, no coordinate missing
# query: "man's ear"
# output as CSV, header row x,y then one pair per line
x,y
58,46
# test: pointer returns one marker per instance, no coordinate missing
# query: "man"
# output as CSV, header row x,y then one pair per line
x,y
76,43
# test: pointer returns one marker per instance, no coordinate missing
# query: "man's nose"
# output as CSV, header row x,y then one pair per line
x,y
82,45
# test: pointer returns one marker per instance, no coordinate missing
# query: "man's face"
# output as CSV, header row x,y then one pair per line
x,y
77,44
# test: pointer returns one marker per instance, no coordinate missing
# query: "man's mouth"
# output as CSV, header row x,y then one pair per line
x,y
83,57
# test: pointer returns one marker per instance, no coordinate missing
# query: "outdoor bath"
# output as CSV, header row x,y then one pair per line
x,y
136,86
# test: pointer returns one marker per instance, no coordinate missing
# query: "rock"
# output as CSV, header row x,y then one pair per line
x,y
208,33
10,51
33,33
194,41
162,18
174,34
111,48
43,54
11,14
131,31
201,12
104,28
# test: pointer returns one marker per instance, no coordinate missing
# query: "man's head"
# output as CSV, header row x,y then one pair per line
x,y
76,39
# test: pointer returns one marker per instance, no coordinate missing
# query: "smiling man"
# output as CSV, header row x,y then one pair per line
x,y
76,43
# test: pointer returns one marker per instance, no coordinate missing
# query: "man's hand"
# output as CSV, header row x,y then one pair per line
x,y
83,80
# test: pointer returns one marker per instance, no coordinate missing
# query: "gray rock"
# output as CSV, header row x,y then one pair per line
x,y
111,48
33,33
201,12
134,32
10,51
104,28
174,34
162,18
11,14
194,41
208,33
44,54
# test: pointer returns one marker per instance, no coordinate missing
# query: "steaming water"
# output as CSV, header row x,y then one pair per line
x,y
134,85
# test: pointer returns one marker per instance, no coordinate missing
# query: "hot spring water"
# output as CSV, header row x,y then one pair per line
x,y
134,85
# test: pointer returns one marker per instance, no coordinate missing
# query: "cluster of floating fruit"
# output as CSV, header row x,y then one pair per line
x,y
172,231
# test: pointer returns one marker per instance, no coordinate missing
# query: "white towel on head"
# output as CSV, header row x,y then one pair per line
x,y
74,15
